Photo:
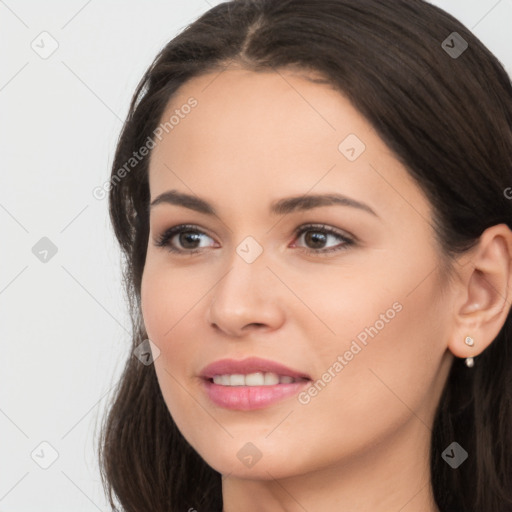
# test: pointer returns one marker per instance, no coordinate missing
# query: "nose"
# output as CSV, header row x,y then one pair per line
x,y
246,298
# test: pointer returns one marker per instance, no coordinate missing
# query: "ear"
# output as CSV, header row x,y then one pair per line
x,y
483,303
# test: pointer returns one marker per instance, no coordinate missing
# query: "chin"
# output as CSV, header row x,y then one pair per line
x,y
242,459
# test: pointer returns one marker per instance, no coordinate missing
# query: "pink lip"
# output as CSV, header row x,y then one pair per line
x,y
249,365
247,398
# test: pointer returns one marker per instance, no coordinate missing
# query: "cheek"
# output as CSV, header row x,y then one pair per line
x,y
391,341
171,304
167,296
153,304
166,313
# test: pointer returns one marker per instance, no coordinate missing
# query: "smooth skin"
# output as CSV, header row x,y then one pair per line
x,y
362,443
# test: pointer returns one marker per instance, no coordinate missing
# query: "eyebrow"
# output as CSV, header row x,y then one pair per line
x,y
279,207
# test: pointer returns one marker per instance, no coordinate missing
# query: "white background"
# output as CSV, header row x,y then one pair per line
x,y
64,329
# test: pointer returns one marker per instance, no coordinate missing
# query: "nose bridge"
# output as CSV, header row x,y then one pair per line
x,y
247,268
249,250
243,295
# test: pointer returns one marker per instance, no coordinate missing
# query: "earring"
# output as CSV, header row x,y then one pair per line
x,y
470,362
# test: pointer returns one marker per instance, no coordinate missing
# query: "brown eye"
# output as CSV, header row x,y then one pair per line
x,y
187,237
317,236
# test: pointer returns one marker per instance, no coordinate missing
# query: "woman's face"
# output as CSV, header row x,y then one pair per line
x,y
365,321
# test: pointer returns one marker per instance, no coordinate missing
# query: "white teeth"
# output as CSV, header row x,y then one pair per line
x,y
237,380
253,379
271,379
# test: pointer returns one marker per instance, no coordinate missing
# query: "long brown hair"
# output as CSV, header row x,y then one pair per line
x,y
446,116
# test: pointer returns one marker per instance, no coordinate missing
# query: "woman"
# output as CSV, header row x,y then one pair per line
x,y
314,201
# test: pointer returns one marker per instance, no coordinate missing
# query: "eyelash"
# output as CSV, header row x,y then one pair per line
x,y
166,237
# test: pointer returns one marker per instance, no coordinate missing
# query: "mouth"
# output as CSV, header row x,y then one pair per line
x,y
254,379
251,383
252,371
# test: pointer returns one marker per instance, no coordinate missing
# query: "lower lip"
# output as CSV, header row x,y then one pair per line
x,y
248,398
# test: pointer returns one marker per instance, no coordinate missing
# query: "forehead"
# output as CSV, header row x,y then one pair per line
x,y
263,112
276,133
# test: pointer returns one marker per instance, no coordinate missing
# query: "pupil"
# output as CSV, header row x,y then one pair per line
x,y
315,238
185,234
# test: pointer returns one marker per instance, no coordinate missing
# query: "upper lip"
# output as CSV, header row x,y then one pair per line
x,y
249,365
